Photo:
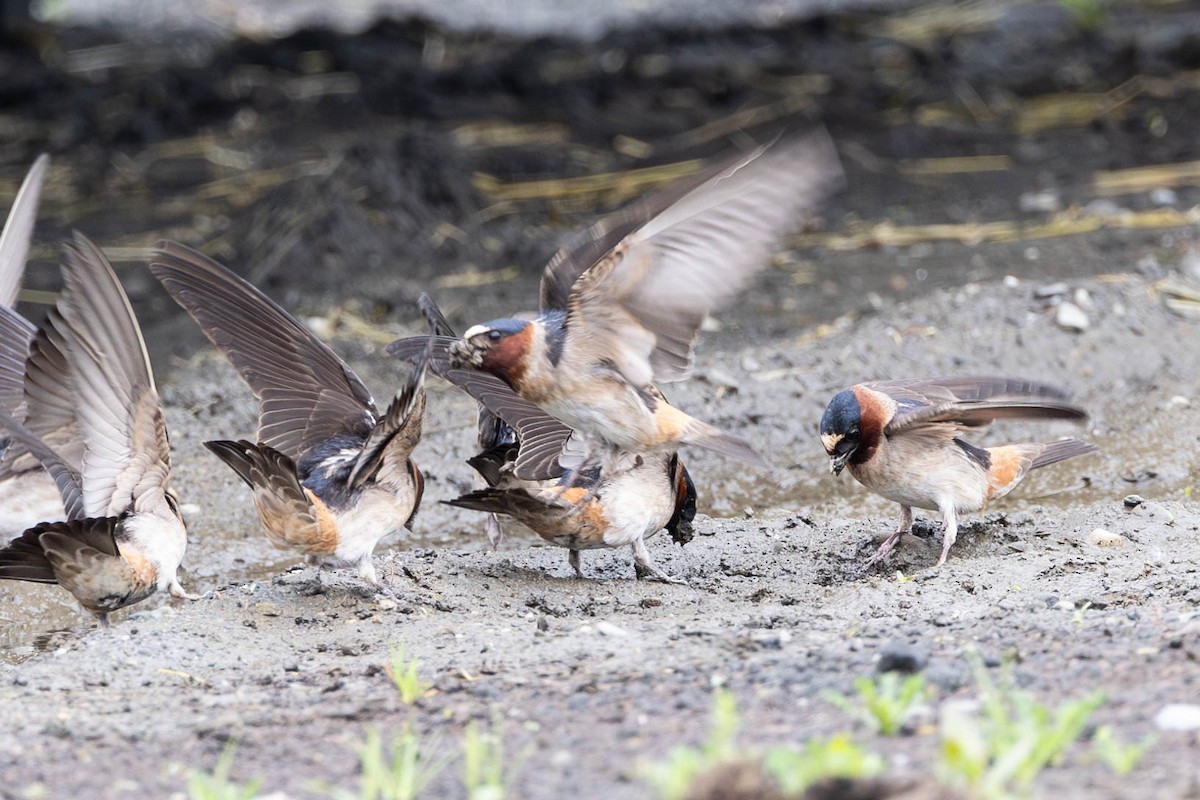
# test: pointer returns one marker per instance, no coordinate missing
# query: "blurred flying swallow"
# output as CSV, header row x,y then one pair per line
x,y
900,440
622,304
331,475
623,507
27,494
123,537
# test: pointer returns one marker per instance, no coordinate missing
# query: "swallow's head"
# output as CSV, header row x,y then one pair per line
x,y
842,430
500,347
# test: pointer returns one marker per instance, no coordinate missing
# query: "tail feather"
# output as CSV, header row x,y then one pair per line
x,y
704,435
1054,452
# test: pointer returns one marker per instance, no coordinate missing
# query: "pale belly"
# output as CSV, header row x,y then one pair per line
x,y
376,514
926,481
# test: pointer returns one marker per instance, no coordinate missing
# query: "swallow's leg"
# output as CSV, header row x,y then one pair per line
x,y
366,571
951,522
573,560
102,618
177,592
643,565
493,530
889,544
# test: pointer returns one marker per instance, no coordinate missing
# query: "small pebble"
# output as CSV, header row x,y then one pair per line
x,y
1071,317
1178,401
1105,538
1011,281
1133,500
899,656
388,604
1051,290
605,628
1164,197
1178,717
268,609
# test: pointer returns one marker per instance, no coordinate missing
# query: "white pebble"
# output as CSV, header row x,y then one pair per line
x,y
1178,717
1105,538
608,629
1071,317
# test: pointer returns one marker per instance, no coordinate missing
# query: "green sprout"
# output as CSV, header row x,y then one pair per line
x,y
885,703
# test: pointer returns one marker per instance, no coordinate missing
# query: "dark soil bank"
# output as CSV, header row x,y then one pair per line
x,y
345,174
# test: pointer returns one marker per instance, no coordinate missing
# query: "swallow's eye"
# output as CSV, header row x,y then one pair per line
x,y
494,336
853,431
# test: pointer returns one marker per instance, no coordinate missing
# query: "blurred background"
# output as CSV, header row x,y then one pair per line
x,y
345,156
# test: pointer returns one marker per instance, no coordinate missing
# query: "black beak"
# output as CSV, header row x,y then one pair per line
x,y
837,462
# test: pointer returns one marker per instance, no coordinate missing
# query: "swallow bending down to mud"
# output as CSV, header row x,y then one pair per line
x,y
331,475
900,440
620,508
621,305
27,494
123,538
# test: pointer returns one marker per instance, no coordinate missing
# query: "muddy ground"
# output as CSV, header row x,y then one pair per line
x,y
340,173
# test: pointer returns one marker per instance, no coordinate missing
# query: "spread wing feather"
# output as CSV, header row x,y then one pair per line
x,y
18,231
641,304
126,457
962,402
306,393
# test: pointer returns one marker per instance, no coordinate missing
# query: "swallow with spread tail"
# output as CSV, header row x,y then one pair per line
x,y
331,475
123,537
622,304
900,439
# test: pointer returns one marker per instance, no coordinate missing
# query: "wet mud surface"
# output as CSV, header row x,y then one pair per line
x,y
342,174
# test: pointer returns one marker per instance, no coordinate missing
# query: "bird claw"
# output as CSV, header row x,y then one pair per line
x,y
176,591
649,572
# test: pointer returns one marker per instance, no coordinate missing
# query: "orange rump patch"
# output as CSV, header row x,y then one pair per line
x,y
1008,466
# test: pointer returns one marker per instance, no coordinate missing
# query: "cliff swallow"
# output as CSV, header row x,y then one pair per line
x,y
331,475
27,494
622,304
900,440
123,537
617,509
622,507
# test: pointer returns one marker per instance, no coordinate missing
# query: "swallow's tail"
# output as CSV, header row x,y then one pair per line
x,y
704,435
1054,452
511,502
1010,463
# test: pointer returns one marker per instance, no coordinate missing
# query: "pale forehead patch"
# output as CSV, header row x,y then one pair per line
x,y
475,330
830,440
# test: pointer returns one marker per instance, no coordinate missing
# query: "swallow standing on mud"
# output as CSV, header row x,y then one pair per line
x,y
331,475
123,538
900,440
621,305
620,508
27,495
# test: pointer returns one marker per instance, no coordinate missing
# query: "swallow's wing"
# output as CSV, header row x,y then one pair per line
x,y
957,403
15,334
399,429
541,436
306,393
65,476
641,304
18,231
126,456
